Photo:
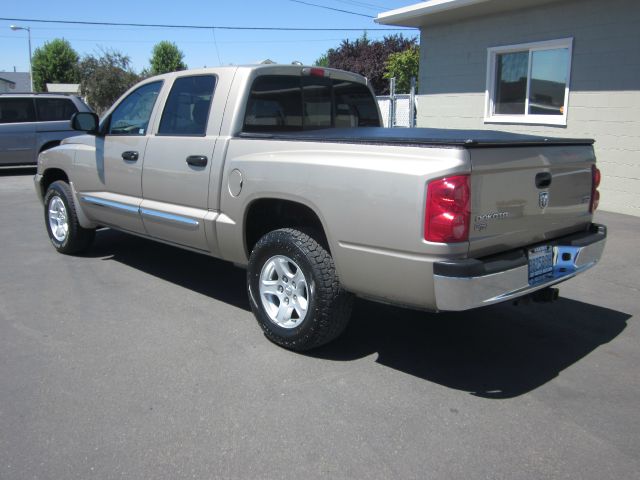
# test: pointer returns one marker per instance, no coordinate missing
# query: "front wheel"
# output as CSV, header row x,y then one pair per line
x,y
65,232
294,291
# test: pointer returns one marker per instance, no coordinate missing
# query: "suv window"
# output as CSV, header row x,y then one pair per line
x,y
187,107
131,116
279,103
17,110
54,109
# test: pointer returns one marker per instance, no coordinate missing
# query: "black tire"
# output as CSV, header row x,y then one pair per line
x,y
77,239
329,306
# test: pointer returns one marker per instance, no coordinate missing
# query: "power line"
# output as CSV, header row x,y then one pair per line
x,y
204,27
215,44
371,6
331,8
186,42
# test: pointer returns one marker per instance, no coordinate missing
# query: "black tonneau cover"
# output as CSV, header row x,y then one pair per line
x,y
418,137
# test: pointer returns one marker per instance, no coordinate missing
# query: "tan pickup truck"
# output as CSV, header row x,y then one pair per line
x,y
285,170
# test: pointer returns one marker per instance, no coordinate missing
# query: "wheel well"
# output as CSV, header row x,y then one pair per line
x,y
49,145
52,175
266,215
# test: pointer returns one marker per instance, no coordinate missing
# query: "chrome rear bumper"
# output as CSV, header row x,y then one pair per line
x,y
472,283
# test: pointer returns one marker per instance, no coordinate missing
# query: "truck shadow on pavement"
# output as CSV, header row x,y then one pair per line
x,y
17,171
496,352
206,275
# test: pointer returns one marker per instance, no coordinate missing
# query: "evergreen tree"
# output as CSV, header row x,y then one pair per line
x,y
54,62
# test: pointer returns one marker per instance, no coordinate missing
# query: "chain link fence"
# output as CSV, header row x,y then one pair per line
x,y
398,110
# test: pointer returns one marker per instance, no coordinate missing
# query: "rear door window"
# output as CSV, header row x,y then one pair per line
x,y
187,108
17,110
54,109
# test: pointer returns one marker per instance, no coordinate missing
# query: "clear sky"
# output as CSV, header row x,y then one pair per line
x,y
199,47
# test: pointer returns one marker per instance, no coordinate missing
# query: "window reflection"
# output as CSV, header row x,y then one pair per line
x,y
549,70
280,103
131,116
511,87
187,109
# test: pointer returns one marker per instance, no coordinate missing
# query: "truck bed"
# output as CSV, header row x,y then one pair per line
x,y
419,137
510,204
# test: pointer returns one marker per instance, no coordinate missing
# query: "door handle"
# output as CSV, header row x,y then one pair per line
x,y
131,156
197,160
543,179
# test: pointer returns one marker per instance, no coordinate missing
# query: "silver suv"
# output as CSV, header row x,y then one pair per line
x,y
33,122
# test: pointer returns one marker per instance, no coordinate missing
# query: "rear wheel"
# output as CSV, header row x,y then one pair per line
x,y
65,232
294,291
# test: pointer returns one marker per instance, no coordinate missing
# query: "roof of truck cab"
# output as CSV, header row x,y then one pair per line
x,y
275,68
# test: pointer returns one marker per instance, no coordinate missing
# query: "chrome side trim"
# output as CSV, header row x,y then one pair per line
x,y
465,293
155,214
110,204
185,221
454,250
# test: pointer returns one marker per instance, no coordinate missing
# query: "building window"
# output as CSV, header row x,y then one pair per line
x,y
529,83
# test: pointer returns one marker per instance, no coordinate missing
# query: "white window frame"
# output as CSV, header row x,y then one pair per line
x,y
526,117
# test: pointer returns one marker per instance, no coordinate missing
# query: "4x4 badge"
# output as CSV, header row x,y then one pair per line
x,y
543,199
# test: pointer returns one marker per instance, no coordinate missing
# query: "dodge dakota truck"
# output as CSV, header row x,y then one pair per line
x,y
285,170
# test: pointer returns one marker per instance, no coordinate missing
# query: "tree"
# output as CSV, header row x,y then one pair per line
x,y
403,66
166,57
104,78
322,61
54,62
368,57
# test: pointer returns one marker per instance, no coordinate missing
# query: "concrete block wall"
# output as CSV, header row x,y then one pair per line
x,y
604,99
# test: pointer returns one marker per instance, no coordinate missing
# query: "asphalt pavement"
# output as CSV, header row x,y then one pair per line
x,y
143,361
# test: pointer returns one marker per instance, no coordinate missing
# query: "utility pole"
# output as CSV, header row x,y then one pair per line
x,y
28,29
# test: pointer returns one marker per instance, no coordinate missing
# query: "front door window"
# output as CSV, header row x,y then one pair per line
x,y
131,116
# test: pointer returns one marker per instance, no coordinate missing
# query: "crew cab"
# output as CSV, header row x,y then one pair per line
x,y
285,170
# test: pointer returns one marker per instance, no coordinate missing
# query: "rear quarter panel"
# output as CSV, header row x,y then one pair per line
x,y
370,199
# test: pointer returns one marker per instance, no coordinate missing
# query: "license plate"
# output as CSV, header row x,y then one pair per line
x,y
540,261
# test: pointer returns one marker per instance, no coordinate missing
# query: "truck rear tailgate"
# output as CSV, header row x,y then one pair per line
x,y
526,195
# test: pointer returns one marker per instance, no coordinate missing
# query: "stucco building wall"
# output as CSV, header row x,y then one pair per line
x,y
604,99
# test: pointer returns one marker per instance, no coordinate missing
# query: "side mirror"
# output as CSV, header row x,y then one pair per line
x,y
85,122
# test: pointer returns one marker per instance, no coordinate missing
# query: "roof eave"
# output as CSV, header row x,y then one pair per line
x,y
416,15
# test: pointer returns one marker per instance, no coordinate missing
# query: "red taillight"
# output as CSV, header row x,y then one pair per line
x,y
596,176
595,183
447,210
314,71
